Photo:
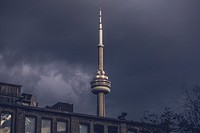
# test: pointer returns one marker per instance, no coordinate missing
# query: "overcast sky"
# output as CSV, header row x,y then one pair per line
x,y
152,51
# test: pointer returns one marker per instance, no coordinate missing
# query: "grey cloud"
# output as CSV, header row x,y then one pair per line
x,y
52,82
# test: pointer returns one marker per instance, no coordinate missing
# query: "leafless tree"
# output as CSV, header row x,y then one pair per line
x,y
187,121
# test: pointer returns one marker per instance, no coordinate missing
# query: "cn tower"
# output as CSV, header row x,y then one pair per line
x,y
100,84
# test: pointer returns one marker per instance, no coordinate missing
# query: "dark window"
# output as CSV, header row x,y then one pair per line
x,y
6,123
46,126
61,127
98,129
144,131
112,129
132,131
30,125
84,128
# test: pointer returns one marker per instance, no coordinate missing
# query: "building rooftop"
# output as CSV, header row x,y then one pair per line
x,y
9,84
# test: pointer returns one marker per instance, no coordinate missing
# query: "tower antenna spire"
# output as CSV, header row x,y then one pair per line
x,y
100,84
100,54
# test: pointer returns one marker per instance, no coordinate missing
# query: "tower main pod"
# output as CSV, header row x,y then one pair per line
x,y
100,84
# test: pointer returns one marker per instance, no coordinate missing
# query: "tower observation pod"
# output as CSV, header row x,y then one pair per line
x,y
100,84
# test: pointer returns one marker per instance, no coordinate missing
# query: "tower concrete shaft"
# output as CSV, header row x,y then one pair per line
x,y
101,104
100,84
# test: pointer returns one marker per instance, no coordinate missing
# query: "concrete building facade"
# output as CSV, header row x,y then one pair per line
x,y
17,117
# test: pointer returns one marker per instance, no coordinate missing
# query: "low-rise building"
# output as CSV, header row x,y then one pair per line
x,y
17,117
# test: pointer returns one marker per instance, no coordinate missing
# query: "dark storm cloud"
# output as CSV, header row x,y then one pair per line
x,y
43,48
156,52
32,28
151,48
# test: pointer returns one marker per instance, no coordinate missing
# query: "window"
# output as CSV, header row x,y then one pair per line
x,y
30,125
98,129
131,130
144,131
6,122
112,129
84,128
46,126
61,127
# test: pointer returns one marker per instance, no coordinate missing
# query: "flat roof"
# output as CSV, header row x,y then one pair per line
x,y
3,83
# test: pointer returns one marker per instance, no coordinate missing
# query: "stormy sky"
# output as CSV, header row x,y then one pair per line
x,y
152,51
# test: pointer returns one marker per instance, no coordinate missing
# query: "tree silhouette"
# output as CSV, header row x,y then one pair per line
x,y
187,121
